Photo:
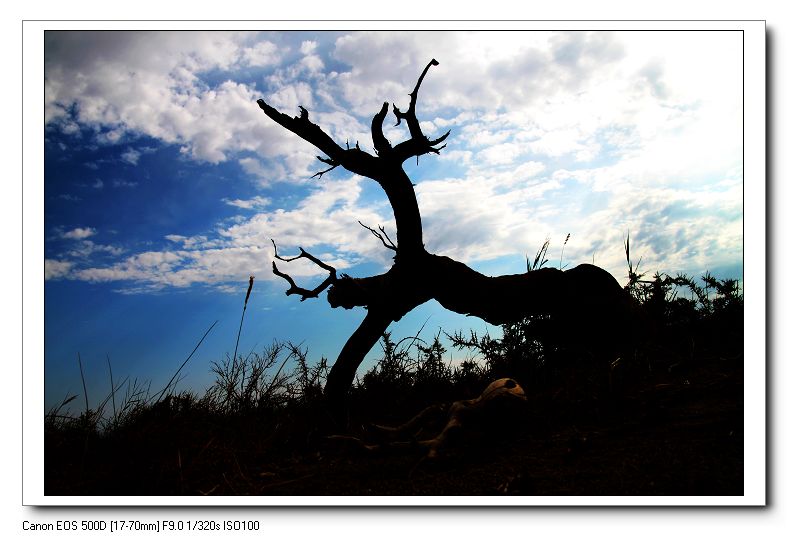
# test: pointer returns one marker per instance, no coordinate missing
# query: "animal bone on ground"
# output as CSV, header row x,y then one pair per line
x,y
492,413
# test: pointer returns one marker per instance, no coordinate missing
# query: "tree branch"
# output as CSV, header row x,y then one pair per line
x,y
353,159
418,144
294,288
381,143
331,162
410,115
382,236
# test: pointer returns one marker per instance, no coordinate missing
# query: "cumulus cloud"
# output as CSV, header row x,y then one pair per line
x,y
308,46
149,83
568,85
263,53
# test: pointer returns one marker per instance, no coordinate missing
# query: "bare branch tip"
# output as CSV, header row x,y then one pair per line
x,y
381,235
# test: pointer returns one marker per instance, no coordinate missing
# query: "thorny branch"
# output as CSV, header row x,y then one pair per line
x,y
294,288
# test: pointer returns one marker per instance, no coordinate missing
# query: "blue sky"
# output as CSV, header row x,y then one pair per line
x,y
164,181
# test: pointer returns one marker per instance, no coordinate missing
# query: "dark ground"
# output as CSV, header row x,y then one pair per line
x,y
679,434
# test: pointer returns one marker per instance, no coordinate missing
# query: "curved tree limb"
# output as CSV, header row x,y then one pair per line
x,y
410,115
294,288
418,144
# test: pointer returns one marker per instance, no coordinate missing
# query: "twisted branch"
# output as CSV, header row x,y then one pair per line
x,y
294,288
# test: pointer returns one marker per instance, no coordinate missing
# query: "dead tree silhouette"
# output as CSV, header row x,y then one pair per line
x,y
586,302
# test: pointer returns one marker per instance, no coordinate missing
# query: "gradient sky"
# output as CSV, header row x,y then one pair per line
x,y
164,181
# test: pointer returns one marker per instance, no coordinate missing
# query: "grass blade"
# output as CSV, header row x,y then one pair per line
x,y
84,388
161,392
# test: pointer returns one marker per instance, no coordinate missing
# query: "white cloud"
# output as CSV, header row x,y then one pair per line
x,y
248,204
263,53
265,173
308,46
252,166
148,83
184,268
289,97
195,242
484,216
312,63
456,157
501,154
568,84
131,156
54,269
79,233
86,248
328,218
